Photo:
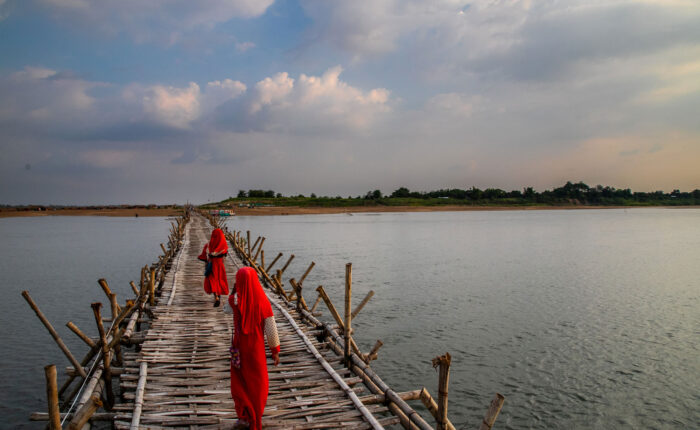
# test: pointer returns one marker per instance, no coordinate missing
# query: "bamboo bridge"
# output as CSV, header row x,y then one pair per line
x,y
161,360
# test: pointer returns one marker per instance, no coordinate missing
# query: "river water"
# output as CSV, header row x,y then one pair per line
x,y
582,319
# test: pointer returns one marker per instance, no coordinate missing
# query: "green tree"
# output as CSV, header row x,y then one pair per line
x,y
401,192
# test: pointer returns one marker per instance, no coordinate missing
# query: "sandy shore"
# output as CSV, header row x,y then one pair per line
x,y
7,213
295,210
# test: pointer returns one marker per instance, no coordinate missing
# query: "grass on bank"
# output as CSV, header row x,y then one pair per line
x,y
570,194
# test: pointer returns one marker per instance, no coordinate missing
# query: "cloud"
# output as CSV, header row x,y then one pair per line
x,y
161,21
307,105
38,96
176,107
272,90
674,80
605,123
109,158
244,46
219,92
491,40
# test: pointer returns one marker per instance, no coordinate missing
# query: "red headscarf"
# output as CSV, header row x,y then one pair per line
x,y
218,242
252,301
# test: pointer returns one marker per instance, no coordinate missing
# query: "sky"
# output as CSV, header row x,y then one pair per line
x,y
168,101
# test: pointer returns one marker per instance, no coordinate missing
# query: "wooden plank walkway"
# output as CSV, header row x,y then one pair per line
x,y
184,361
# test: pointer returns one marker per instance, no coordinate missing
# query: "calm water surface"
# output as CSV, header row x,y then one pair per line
x,y
582,319
58,260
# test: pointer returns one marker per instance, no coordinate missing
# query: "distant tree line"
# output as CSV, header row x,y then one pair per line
x,y
570,193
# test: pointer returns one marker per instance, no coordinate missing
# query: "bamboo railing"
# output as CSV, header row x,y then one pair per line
x,y
341,339
91,378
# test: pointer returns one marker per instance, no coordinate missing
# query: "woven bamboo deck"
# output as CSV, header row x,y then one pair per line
x,y
161,360
186,352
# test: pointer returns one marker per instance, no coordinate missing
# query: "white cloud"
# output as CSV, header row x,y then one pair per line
x,y
176,107
314,102
272,90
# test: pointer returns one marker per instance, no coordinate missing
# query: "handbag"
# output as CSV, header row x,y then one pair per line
x,y
235,357
208,269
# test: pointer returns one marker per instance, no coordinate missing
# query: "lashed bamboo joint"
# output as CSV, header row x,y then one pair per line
x,y
168,349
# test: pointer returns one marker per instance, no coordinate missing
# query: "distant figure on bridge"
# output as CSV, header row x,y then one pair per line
x,y
252,316
213,254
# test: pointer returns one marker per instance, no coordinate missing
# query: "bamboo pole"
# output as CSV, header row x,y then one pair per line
x,y
362,304
275,284
297,290
429,402
278,284
331,307
371,420
262,260
492,412
83,415
373,399
152,288
80,334
163,248
318,300
338,319
106,359
138,401
373,353
443,362
273,262
291,257
52,397
255,244
311,266
255,258
248,241
408,417
133,288
348,312
99,416
53,332
143,277
97,348
432,406
110,296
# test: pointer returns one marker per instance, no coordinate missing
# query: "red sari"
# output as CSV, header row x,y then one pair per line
x,y
249,383
216,282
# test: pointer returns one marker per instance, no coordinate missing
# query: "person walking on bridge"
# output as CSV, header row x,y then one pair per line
x,y
252,316
213,254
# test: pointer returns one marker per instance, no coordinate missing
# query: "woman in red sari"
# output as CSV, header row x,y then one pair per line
x,y
252,316
215,274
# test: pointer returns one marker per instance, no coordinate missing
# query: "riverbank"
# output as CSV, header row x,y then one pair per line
x,y
297,210
300,210
113,212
